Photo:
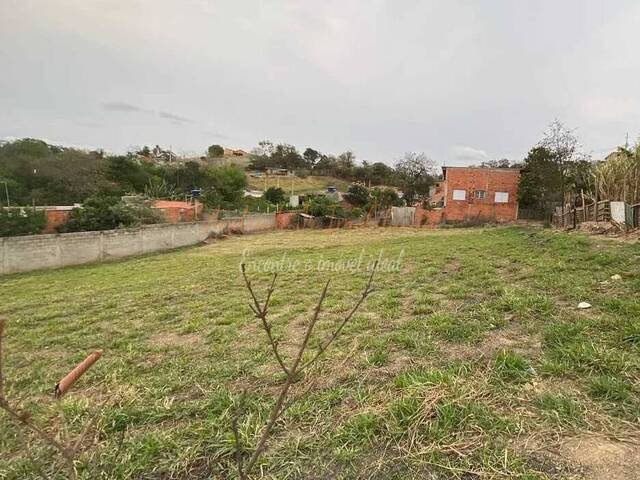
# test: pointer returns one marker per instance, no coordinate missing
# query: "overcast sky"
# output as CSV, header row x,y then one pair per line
x,y
462,81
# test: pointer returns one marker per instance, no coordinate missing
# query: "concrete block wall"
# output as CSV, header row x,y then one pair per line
x,y
34,252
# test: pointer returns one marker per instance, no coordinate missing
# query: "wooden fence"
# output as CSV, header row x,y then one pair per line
x,y
573,216
595,212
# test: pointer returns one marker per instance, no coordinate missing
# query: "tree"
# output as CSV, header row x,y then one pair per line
x,y
562,143
274,195
311,157
539,186
357,195
502,163
224,186
286,156
383,198
107,213
415,172
215,151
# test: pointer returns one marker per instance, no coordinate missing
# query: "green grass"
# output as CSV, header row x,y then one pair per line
x,y
451,365
309,184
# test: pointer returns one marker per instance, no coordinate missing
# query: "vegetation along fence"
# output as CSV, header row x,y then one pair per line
x,y
603,211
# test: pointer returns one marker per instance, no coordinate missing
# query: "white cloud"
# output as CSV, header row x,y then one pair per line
x,y
462,153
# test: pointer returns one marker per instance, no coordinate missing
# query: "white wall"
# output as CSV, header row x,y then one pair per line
x,y
23,254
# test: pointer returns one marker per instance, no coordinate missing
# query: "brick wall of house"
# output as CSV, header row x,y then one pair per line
x,y
176,212
55,218
428,218
490,180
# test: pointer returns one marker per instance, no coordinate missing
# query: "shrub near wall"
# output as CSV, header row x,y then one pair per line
x,y
21,221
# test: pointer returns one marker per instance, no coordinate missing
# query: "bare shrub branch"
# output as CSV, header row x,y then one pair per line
x,y
281,404
24,419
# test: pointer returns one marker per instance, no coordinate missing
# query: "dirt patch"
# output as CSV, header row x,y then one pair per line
x,y
493,342
452,266
602,458
171,339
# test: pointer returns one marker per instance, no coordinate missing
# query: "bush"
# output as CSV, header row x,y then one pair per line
x,y
274,195
357,195
215,151
107,213
18,221
322,206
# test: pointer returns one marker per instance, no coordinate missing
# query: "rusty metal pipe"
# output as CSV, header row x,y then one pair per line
x,y
67,382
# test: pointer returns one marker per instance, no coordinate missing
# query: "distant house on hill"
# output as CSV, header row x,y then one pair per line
x,y
231,152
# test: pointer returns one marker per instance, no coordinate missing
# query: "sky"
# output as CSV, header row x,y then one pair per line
x,y
462,81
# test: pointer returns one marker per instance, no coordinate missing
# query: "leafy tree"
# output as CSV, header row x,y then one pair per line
x,y
130,174
562,143
49,174
502,163
106,213
415,172
311,157
274,195
215,151
184,177
17,221
357,195
321,206
383,198
286,156
539,186
224,186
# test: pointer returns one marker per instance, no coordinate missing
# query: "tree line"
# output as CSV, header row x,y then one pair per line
x,y
557,173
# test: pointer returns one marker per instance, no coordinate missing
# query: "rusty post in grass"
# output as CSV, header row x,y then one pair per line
x,y
67,382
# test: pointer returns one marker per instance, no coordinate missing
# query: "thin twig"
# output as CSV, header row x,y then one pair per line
x,y
261,313
239,411
25,420
336,333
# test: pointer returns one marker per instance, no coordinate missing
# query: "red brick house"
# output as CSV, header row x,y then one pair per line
x,y
480,194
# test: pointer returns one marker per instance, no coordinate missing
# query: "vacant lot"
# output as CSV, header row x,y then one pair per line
x,y
300,185
471,361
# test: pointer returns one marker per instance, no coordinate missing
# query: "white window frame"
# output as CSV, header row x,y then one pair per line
x,y
502,197
459,194
483,197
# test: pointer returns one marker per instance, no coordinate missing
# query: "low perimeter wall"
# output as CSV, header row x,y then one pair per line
x,y
23,254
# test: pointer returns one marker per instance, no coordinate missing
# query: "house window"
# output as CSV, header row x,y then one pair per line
x,y
459,194
480,194
502,197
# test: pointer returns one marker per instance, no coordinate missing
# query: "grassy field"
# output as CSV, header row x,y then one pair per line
x,y
300,185
471,361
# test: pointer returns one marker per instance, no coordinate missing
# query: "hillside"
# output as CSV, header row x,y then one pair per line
x,y
299,185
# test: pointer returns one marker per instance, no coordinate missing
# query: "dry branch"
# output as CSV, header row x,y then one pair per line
x,y
23,418
281,404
